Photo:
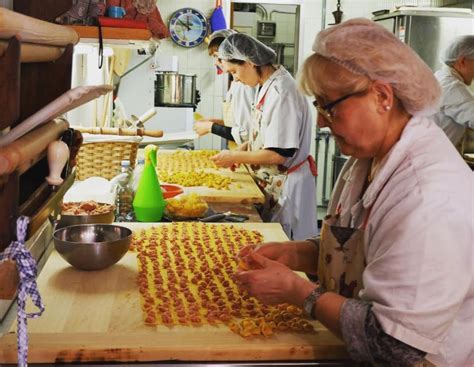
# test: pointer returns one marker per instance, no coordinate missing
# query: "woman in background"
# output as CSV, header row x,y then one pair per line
x,y
457,100
236,109
278,148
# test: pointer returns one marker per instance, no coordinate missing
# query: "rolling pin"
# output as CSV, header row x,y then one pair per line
x,y
29,52
27,148
32,30
64,103
119,131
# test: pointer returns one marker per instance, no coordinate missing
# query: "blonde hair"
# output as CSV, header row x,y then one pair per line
x,y
341,80
364,50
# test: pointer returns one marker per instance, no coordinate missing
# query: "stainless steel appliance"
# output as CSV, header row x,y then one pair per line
x,y
173,90
428,31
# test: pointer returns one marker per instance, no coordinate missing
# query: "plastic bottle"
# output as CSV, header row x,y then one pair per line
x,y
149,203
137,173
124,197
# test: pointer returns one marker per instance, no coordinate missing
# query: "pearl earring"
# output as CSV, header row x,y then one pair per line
x,y
386,108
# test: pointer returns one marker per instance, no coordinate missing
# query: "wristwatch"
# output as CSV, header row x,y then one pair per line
x,y
310,301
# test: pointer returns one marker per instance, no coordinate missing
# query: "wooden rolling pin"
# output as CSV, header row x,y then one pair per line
x,y
30,52
119,131
29,146
32,30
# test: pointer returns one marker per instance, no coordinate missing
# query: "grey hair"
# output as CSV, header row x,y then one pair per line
x,y
459,47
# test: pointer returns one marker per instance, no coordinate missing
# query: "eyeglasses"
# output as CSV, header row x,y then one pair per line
x,y
327,110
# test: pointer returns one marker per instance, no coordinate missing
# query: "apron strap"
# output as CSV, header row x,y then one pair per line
x,y
312,166
262,100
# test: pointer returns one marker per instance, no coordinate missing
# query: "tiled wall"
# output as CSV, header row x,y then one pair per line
x,y
197,61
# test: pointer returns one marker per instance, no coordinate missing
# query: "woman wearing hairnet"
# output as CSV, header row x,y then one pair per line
x,y
457,101
236,109
394,259
280,137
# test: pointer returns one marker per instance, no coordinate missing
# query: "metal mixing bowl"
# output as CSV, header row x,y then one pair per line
x,y
92,246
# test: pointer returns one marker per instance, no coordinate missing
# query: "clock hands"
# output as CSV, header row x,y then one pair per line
x,y
184,24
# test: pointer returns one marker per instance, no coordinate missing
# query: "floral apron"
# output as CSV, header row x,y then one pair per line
x,y
270,177
341,261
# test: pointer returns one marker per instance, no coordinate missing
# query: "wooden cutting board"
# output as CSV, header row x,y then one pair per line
x,y
243,188
96,316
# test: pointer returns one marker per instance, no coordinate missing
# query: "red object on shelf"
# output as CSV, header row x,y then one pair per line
x,y
170,191
122,23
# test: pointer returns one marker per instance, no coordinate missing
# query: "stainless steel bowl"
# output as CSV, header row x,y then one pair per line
x,y
92,246
66,220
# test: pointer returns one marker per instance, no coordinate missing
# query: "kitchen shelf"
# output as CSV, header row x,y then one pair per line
x,y
112,33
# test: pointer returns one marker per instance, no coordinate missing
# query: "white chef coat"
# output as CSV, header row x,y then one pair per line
x,y
457,105
418,243
287,115
241,97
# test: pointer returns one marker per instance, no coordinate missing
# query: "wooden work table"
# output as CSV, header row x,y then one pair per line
x,y
245,209
242,189
96,316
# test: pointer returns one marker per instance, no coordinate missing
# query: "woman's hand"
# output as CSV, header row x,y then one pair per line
x,y
270,282
297,255
224,159
283,252
203,127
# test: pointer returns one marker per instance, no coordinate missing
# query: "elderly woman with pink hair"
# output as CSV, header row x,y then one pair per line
x,y
394,260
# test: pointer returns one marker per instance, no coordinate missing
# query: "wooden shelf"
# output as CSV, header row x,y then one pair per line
x,y
109,33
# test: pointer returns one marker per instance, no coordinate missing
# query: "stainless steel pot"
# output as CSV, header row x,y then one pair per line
x,y
173,89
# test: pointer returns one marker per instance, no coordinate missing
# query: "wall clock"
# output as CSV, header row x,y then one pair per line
x,y
188,27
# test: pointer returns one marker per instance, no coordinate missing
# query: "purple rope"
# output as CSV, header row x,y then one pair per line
x,y
26,267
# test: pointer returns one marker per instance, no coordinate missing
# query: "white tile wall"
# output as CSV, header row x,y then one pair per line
x,y
197,61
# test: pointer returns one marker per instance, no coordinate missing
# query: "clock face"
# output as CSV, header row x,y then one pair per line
x,y
188,27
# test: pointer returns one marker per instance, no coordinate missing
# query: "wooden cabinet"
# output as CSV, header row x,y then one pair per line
x,y
28,82
110,33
